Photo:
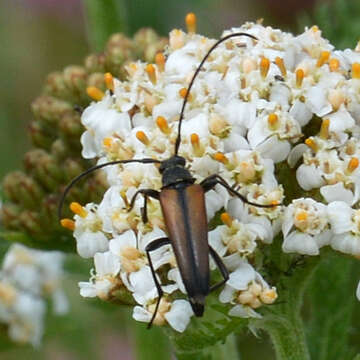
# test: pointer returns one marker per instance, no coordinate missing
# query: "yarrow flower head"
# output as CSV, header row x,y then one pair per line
x,y
27,279
246,119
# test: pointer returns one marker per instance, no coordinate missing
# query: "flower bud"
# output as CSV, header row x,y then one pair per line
x,y
30,221
70,125
118,50
22,189
75,79
95,63
44,168
55,85
40,135
49,109
59,150
97,80
9,216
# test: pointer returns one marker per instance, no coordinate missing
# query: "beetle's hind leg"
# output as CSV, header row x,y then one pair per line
x,y
156,244
146,193
221,266
212,180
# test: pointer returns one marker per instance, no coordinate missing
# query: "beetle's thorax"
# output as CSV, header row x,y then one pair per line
x,y
173,172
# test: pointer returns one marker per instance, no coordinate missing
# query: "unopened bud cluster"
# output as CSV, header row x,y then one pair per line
x,y
32,195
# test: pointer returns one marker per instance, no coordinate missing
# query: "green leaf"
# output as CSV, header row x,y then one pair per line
x,y
103,18
331,308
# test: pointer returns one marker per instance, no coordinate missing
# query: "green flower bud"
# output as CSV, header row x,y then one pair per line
x,y
75,79
97,80
55,85
147,43
50,109
72,168
9,216
41,135
22,190
70,125
44,168
118,50
95,63
30,222
59,150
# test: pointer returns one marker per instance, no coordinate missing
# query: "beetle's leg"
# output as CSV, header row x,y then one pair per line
x,y
156,244
221,266
212,180
146,193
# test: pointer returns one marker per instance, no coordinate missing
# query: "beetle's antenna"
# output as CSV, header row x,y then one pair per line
x,y
94,168
178,139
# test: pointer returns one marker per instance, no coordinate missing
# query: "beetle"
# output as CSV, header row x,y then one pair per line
x,y
183,207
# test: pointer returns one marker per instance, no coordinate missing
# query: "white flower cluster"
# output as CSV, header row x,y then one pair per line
x,y
248,110
27,278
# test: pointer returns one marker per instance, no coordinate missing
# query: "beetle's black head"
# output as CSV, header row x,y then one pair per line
x,y
174,161
173,171
198,304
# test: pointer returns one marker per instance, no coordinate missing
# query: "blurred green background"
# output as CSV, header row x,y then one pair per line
x,y
39,36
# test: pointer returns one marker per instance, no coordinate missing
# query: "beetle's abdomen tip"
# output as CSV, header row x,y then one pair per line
x,y
198,306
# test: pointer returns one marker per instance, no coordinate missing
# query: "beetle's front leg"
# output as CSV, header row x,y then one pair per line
x,y
156,244
146,193
212,180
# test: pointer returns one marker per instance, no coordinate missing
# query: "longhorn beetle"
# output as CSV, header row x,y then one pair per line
x,y
183,207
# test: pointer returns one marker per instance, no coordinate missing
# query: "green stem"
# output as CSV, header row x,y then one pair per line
x,y
103,18
283,321
288,337
219,351
150,344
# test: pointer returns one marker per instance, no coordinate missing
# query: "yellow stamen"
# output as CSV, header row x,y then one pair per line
x,y
264,66
68,224
274,203
353,164
107,142
226,219
162,124
77,209
150,69
95,93
272,120
109,81
334,64
311,144
141,136
280,63
195,141
355,71
315,28
299,77
160,61
302,216
182,93
221,158
324,130
190,21
323,59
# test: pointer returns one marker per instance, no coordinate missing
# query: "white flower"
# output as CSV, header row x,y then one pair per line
x,y
247,290
345,223
101,121
305,227
176,314
105,278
